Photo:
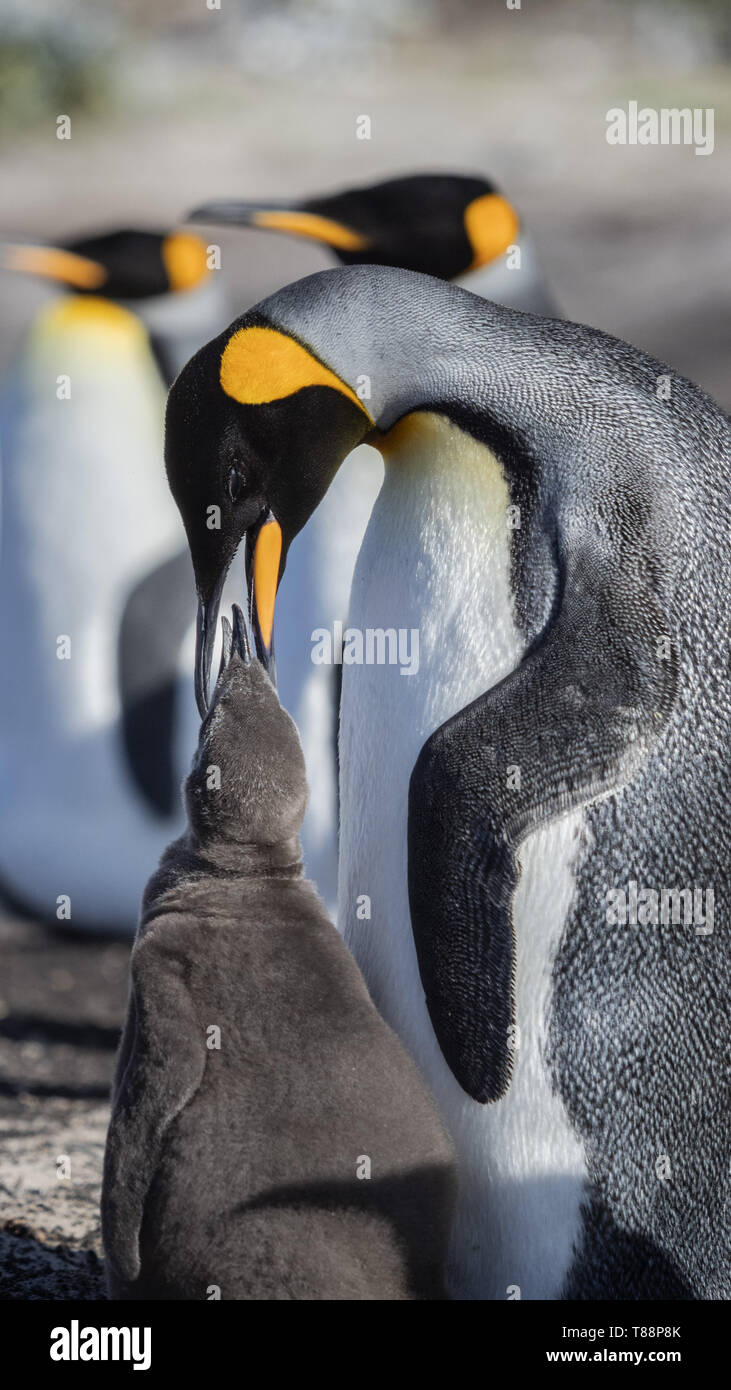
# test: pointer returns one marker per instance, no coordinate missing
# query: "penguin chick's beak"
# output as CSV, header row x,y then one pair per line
x,y
263,557
234,639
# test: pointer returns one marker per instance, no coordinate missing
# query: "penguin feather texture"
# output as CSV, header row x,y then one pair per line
x,y
270,1138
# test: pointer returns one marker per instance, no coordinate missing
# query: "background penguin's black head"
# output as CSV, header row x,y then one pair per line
x,y
439,224
124,264
247,785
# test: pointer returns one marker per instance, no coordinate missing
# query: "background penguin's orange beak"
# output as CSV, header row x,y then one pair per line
x,y
53,263
291,219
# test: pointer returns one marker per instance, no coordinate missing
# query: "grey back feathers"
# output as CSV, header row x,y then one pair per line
x,y
256,1085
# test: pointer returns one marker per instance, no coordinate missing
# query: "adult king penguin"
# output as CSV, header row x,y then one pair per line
x,y
454,226
553,522
96,590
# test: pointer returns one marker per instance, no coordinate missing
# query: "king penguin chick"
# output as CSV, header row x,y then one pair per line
x,y
98,725
270,1137
456,227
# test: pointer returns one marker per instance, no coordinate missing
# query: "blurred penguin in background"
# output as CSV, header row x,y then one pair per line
x,y
270,1136
452,226
97,722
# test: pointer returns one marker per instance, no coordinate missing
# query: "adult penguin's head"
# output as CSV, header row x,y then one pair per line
x,y
256,428
440,224
122,264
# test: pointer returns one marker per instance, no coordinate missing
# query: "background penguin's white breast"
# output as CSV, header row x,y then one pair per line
x,y
86,513
184,321
435,557
519,285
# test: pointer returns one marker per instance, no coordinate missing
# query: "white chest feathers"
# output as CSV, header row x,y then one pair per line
x,y
513,279
435,562
86,516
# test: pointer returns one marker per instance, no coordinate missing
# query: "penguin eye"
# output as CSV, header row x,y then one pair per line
x,y
235,484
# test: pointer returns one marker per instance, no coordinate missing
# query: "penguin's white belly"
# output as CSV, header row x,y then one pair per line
x,y
315,593
435,558
86,515
186,320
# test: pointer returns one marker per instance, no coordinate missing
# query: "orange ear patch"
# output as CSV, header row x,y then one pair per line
x,y
491,225
184,258
260,365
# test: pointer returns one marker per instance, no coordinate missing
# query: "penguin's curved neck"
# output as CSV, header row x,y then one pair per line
x,y
216,873
243,860
424,344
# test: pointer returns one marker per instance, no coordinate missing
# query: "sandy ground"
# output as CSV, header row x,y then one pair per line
x,y
633,240
62,1006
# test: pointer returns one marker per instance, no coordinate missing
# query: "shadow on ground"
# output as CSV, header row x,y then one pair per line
x,y
30,1269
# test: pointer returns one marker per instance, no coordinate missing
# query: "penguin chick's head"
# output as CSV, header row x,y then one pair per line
x,y
247,786
441,224
256,429
124,264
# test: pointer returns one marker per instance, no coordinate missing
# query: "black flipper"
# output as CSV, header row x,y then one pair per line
x,y
578,717
157,615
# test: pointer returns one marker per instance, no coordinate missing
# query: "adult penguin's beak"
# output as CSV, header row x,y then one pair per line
x,y
53,263
263,572
263,561
291,218
237,211
205,641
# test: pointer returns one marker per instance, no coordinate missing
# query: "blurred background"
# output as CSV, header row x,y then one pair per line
x,y
172,103
175,103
